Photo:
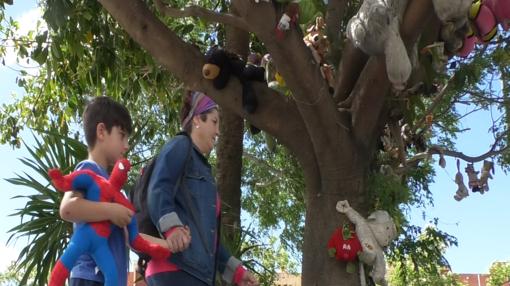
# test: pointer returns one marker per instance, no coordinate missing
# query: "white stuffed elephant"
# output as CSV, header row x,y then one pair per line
x,y
374,233
375,30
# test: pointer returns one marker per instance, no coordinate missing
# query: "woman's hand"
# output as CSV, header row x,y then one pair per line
x,y
179,239
248,280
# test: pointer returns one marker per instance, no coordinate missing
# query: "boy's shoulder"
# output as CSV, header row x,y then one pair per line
x,y
93,166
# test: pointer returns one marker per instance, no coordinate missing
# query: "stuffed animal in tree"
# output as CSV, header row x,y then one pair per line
x,y
462,190
488,166
293,12
375,30
274,79
221,65
92,237
474,182
454,25
374,233
318,43
344,245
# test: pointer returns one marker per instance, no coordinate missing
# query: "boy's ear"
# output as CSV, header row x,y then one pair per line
x,y
101,131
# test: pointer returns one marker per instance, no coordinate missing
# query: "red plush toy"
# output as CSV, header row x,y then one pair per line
x,y
344,244
92,237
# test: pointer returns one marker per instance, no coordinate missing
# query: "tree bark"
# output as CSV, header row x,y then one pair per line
x,y
230,148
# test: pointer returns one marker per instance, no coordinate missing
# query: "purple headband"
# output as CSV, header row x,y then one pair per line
x,y
200,103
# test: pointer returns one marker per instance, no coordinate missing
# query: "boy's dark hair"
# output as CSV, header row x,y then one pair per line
x,y
107,111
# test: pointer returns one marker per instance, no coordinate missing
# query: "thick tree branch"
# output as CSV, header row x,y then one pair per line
x,y
185,62
373,86
302,75
334,15
202,13
352,63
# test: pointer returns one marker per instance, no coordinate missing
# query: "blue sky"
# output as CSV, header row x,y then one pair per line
x,y
480,222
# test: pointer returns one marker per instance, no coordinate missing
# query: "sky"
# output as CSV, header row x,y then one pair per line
x,y
480,222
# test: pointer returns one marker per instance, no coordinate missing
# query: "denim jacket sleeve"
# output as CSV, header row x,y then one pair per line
x,y
227,264
161,192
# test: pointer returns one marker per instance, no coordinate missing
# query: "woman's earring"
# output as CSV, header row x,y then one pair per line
x,y
197,126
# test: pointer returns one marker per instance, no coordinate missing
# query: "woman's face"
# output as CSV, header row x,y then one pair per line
x,y
206,132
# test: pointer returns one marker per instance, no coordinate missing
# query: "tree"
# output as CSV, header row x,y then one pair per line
x,y
87,51
414,264
499,273
13,277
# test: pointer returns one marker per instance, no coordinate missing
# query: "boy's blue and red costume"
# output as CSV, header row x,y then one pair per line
x,y
92,238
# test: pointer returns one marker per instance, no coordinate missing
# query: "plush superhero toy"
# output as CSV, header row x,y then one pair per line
x,y
92,238
221,64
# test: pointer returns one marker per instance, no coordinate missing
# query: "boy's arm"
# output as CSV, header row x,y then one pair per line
x,y
74,208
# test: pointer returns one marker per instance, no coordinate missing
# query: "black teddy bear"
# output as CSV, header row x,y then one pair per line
x,y
221,64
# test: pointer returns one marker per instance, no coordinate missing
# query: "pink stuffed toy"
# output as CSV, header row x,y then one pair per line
x,y
484,17
501,9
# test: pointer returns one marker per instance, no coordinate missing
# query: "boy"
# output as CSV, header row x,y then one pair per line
x,y
107,125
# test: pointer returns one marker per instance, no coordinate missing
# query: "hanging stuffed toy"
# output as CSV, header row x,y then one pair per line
x,y
221,64
474,182
375,30
488,166
462,190
92,238
274,79
374,233
344,245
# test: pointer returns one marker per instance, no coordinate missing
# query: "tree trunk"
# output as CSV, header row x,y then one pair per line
x,y
343,180
230,150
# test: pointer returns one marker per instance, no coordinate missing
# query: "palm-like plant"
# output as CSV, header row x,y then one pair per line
x,y
40,223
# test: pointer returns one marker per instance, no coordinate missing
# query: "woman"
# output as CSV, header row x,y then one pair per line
x,y
187,211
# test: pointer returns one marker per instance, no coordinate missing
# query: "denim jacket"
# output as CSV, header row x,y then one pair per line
x,y
168,208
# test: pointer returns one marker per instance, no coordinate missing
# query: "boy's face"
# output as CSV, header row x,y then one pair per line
x,y
114,144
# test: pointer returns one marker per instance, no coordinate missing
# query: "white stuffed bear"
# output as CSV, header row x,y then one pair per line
x,y
374,233
375,30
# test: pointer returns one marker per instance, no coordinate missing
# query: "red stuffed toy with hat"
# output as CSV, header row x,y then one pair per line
x,y
344,244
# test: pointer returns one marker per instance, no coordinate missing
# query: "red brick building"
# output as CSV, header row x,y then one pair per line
x,y
476,279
